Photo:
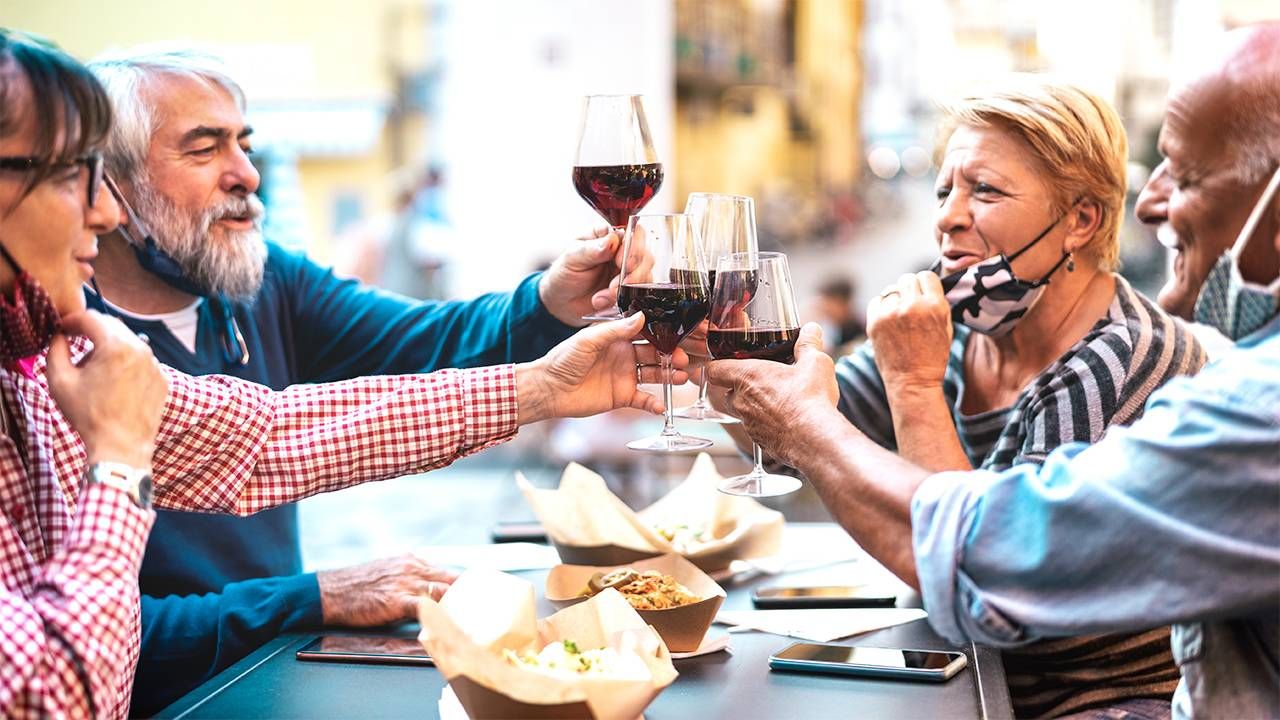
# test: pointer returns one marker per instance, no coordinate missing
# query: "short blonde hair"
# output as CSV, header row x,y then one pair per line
x,y
1075,135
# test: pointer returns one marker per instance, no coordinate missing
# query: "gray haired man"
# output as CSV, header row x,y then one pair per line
x,y
190,268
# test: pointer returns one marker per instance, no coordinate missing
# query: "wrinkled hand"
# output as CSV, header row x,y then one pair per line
x,y
634,258
909,325
591,372
777,402
380,592
115,397
583,271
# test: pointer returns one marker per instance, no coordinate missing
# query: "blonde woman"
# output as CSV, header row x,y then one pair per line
x,y
1030,342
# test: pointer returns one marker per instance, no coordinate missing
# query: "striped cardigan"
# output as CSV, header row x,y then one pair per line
x,y
1103,379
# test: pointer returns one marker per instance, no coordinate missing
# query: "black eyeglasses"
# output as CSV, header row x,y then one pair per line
x,y
92,161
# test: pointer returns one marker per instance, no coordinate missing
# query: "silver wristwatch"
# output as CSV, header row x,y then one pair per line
x,y
132,481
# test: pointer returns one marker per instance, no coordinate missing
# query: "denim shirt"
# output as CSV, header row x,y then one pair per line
x,y
1174,520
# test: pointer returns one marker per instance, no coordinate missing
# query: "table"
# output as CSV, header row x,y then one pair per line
x,y
271,683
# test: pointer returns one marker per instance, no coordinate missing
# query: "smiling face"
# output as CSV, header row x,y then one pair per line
x,y
51,232
197,193
993,199
1193,196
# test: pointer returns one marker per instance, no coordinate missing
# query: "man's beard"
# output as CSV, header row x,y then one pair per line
x,y
232,266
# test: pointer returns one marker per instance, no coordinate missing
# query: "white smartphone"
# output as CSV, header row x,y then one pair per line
x,y
926,665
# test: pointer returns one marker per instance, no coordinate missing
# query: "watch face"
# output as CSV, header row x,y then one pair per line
x,y
144,491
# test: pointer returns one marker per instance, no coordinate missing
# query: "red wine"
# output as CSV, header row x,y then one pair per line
x,y
737,288
778,344
617,191
671,311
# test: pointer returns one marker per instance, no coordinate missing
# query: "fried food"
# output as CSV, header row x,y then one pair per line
x,y
648,590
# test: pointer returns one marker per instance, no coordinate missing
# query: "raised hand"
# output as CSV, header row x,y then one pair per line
x,y
597,369
579,275
775,401
115,397
910,326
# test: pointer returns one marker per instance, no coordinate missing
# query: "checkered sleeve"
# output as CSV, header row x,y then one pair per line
x,y
69,648
227,445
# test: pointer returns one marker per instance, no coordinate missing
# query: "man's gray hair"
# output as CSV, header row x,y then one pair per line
x,y
125,75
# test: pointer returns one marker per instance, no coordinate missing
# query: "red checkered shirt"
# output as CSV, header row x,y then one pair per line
x,y
69,557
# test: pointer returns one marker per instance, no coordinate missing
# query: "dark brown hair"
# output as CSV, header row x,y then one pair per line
x,y
72,111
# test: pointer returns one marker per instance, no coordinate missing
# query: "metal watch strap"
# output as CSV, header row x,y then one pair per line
x,y
134,482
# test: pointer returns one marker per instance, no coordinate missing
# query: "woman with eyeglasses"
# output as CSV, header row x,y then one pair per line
x,y
84,425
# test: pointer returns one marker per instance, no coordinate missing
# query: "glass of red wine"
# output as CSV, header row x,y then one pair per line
x,y
616,169
664,276
753,316
726,224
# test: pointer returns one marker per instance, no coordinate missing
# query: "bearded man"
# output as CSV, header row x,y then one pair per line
x,y
190,269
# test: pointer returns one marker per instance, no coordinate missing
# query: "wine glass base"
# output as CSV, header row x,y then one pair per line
x,y
604,316
669,443
762,485
705,414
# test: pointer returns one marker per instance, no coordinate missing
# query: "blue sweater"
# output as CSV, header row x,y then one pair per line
x,y
216,587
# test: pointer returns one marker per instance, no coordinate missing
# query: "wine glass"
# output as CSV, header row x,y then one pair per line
x,y
664,275
726,224
753,316
616,169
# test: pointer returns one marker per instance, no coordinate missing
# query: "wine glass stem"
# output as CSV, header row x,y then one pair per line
x,y
757,472
702,390
668,371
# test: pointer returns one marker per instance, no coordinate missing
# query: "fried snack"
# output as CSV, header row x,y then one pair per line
x,y
648,590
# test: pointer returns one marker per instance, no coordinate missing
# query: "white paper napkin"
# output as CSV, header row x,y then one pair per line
x,y
714,642
450,706
505,557
819,625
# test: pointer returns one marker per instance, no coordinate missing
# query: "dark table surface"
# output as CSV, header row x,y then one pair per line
x,y
272,683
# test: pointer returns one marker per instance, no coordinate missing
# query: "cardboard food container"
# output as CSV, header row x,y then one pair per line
x,y
589,525
486,612
682,628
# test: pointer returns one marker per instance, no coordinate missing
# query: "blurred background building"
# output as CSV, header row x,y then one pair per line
x,y
443,132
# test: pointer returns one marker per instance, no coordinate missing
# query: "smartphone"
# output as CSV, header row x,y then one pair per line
x,y
367,649
525,531
829,596
926,665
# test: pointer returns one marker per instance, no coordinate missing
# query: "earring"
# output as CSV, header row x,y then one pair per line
x,y
1071,262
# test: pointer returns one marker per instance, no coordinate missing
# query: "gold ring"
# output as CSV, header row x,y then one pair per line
x,y
641,366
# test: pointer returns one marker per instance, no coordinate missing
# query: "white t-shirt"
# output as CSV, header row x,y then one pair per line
x,y
182,322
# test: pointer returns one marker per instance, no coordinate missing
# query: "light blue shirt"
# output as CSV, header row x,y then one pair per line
x,y
1174,520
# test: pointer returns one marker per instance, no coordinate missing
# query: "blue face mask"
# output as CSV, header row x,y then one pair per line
x,y
159,263
1227,301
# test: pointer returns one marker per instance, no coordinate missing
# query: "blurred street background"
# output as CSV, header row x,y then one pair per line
x,y
450,125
